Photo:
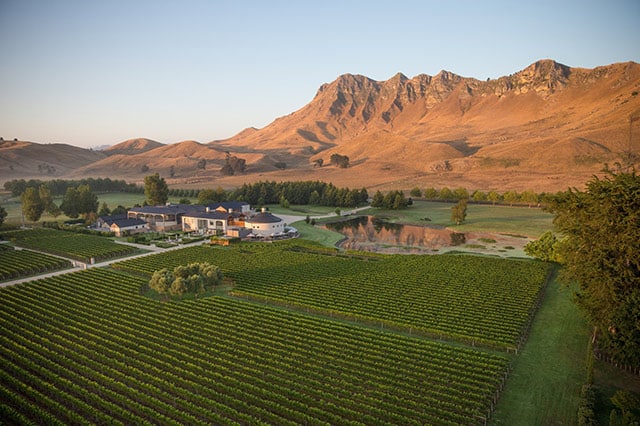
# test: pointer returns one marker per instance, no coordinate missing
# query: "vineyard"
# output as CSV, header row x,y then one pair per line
x,y
21,263
86,348
80,247
476,300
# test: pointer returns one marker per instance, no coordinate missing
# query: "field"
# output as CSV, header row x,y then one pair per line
x,y
471,299
86,347
307,335
68,244
22,263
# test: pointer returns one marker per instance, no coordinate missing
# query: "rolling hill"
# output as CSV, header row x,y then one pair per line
x,y
546,127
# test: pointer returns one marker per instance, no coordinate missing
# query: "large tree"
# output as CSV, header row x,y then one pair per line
x,y
600,250
80,200
88,201
3,214
459,211
70,204
156,189
32,205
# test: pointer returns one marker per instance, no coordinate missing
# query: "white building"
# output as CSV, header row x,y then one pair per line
x,y
265,224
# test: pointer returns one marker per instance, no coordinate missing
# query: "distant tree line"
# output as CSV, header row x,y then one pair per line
x,y
58,187
305,192
392,200
528,197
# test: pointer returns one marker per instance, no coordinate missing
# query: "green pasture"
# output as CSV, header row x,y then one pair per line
x,y
544,385
530,222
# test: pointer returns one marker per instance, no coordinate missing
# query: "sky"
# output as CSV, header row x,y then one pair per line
x,y
96,72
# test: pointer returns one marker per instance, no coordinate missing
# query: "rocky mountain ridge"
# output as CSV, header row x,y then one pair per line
x,y
545,127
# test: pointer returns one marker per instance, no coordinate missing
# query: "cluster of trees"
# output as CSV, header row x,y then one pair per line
x,y
341,161
233,165
392,200
304,192
210,196
510,197
76,201
195,278
58,187
599,250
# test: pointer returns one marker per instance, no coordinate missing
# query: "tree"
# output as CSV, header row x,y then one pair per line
x,y
70,204
161,281
104,210
156,189
511,197
600,252
206,196
172,171
493,196
446,194
87,200
119,210
202,164
479,196
416,192
461,193
529,197
341,161
378,199
544,248
3,215
193,278
430,193
32,205
459,211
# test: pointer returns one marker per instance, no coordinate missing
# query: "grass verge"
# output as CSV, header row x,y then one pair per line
x,y
544,385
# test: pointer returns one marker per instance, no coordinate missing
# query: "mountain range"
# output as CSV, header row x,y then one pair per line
x,y
546,127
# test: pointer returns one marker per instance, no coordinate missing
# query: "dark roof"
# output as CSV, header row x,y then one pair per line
x,y
235,205
112,218
169,209
264,217
212,214
125,223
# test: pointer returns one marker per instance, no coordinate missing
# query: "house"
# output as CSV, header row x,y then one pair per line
x,y
121,225
170,216
163,218
208,222
265,224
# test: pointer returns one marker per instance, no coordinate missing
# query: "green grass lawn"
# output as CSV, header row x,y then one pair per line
x,y
544,385
322,236
531,222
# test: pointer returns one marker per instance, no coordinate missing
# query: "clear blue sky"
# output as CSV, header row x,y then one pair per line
x,y
99,72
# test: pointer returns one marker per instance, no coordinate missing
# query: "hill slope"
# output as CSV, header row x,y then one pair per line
x,y
545,127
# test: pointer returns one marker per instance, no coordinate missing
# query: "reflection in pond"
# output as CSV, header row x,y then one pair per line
x,y
374,234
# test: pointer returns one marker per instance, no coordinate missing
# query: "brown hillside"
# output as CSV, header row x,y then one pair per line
x,y
546,127
21,159
133,146
184,157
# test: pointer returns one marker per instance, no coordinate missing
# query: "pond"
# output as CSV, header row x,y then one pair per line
x,y
373,234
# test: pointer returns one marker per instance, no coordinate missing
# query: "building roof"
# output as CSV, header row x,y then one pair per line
x,y
229,205
112,218
264,217
126,223
211,214
169,209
